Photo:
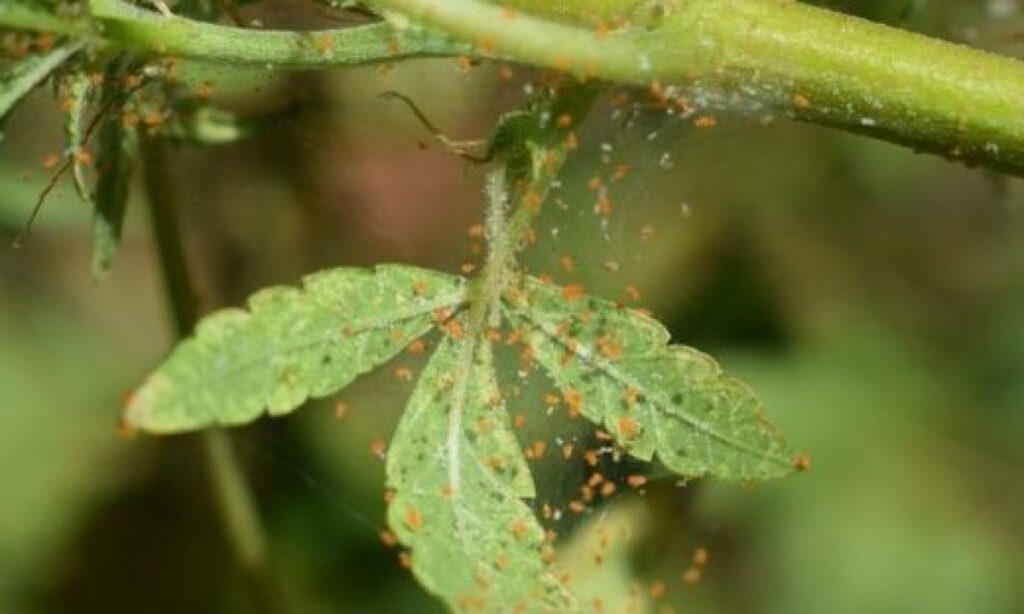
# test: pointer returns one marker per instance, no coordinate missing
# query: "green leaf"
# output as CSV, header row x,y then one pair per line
x,y
599,558
291,345
18,80
615,367
118,147
459,477
200,124
77,88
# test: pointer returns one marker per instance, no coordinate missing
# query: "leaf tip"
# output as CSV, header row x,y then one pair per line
x,y
137,413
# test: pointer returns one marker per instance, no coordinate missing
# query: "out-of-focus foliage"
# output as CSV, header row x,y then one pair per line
x,y
873,298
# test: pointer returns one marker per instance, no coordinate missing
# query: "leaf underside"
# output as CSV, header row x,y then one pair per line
x,y
615,367
78,89
118,146
291,345
458,478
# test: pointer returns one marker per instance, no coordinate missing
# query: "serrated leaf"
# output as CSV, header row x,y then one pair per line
x,y
118,148
291,345
19,79
615,367
459,477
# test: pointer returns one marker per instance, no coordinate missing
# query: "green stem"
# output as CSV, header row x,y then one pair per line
x,y
18,16
500,249
234,499
547,159
127,25
235,502
160,190
758,56
816,65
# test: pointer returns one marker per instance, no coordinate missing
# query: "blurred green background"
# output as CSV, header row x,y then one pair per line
x,y
873,297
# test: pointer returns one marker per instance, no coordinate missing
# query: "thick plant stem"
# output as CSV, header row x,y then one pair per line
x,y
127,25
768,56
759,56
232,494
167,236
19,16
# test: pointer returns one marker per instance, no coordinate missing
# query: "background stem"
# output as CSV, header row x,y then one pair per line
x,y
234,499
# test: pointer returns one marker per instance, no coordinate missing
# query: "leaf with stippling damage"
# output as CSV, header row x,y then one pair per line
x,y
459,477
615,367
291,345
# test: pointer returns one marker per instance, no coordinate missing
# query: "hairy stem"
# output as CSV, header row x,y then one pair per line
x,y
19,16
500,252
760,56
127,25
234,499
771,55
547,160
764,56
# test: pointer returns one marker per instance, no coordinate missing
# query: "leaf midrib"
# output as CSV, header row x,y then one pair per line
x,y
365,326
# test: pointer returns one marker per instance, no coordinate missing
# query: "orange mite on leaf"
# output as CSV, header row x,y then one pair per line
x,y
125,430
629,427
636,481
388,538
803,462
413,519
573,400
706,121
573,292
